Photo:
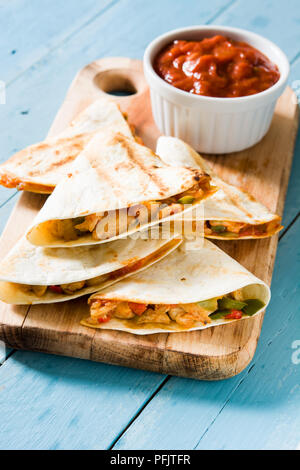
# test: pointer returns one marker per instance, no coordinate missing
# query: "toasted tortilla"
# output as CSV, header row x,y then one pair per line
x,y
102,265
113,172
229,203
189,274
39,167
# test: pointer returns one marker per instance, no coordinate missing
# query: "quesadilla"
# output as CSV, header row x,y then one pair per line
x,y
115,188
39,167
188,290
34,275
230,213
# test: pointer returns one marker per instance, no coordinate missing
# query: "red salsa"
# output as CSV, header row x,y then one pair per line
x,y
216,66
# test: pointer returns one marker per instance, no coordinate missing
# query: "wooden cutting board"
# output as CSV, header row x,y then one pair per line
x,y
211,354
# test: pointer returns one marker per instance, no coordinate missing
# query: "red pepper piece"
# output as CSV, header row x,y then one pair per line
x,y
103,319
56,289
234,315
138,309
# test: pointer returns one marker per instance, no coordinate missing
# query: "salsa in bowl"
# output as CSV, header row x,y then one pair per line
x,y
217,66
214,87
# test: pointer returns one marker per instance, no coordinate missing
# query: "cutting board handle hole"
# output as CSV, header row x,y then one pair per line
x,y
116,82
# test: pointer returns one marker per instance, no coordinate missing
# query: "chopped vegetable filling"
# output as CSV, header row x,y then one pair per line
x,y
73,287
108,224
184,315
228,229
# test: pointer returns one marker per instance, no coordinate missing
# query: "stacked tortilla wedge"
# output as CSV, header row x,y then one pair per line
x,y
191,289
95,232
230,213
39,168
35,275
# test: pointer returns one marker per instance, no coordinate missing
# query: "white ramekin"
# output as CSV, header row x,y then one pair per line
x,y
214,125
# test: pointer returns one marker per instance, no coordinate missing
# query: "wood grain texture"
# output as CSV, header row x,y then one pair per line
x,y
212,354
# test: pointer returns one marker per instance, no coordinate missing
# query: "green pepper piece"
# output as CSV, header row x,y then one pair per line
x,y
252,306
210,305
218,228
186,200
230,304
219,314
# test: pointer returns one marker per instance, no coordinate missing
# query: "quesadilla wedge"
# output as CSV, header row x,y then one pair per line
x,y
34,275
39,167
188,290
116,187
230,213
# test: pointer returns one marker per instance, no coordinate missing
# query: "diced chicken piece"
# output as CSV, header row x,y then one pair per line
x,y
161,308
150,316
63,229
25,287
89,222
137,215
99,308
181,317
197,313
171,209
96,280
198,193
107,226
72,287
238,294
207,229
39,290
123,311
132,222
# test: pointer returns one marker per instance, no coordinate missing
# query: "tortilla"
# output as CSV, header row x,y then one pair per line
x,y
102,265
39,167
186,276
114,179
244,216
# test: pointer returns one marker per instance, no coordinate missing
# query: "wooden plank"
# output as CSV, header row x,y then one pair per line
x,y
34,28
258,409
6,208
211,354
50,402
267,18
293,195
4,351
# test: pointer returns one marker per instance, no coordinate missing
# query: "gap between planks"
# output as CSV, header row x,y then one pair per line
x,y
60,43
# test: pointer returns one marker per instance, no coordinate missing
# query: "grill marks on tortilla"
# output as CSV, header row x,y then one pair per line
x,y
67,154
134,160
138,157
137,161
60,154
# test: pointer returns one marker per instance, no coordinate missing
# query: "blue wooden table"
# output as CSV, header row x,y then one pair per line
x,y
49,402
